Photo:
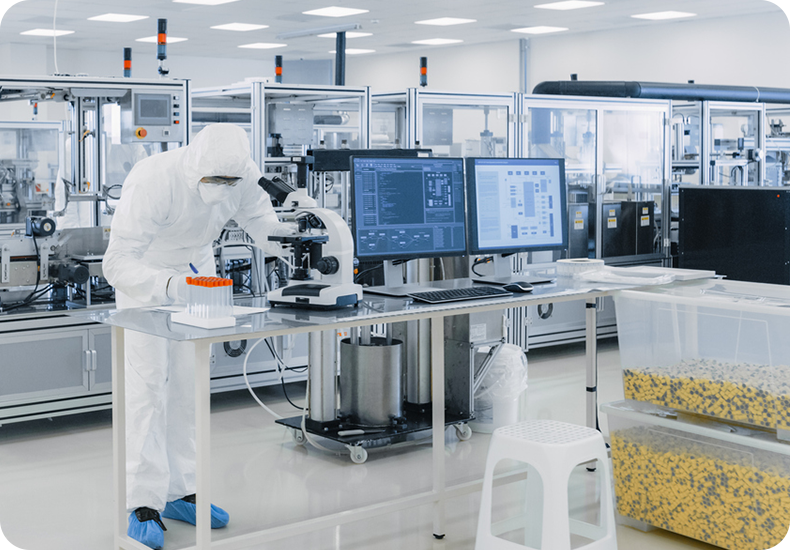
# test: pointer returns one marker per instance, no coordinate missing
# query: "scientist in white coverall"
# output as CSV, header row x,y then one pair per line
x,y
173,206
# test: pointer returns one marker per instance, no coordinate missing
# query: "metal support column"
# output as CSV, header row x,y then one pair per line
x,y
437,376
591,348
322,361
203,443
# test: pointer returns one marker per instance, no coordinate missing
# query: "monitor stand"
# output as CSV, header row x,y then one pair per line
x,y
503,274
393,283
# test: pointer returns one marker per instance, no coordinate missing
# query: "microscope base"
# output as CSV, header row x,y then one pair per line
x,y
315,295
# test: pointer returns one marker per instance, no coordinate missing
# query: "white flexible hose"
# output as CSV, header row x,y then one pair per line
x,y
247,382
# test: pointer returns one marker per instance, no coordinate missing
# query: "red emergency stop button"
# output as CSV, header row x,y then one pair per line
x,y
140,133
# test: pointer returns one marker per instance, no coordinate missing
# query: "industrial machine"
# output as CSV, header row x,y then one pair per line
x,y
740,232
285,121
452,124
616,155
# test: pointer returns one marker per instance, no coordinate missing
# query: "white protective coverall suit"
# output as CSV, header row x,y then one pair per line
x,y
167,219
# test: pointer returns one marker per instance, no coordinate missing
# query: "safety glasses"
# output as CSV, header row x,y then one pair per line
x,y
230,181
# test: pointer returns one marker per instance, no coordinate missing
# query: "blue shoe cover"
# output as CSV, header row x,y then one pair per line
x,y
184,510
149,531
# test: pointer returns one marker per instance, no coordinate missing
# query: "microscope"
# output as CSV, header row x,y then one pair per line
x,y
323,245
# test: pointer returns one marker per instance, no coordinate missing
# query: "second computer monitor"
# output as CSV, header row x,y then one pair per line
x,y
516,205
404,208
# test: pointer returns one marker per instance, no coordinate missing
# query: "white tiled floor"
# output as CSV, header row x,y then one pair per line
x,y
55,476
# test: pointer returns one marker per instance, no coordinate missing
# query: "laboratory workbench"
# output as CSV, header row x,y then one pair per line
x,y
283,320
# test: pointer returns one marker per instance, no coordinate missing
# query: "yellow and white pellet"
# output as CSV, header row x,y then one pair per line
x,y
733,497
739,392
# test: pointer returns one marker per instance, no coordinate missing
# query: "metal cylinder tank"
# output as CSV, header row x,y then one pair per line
x,y
371,390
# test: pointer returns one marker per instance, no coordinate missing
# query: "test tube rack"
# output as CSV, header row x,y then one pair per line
x,y
209,303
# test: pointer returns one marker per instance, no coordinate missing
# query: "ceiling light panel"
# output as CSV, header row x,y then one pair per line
x,y
349,34
569,5
239,27
446,21
263,46
354,51
205,2
46,32
437,41
335,11
118,18
539,30
170,39
662,15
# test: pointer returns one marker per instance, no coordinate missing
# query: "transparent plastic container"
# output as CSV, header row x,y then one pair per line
x,y
725,485
715,348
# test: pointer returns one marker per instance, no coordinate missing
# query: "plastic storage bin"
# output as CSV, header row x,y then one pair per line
x,y
716,348
727,486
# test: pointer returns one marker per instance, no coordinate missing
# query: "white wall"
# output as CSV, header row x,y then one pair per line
x,y
748,50
19,59
743,50
483,68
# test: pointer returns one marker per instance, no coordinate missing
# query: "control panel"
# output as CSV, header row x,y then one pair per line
x,y
153,117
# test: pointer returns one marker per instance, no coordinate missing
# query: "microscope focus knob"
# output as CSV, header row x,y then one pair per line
x,y
327,265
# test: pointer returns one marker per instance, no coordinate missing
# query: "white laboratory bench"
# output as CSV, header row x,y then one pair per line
x,y
281,321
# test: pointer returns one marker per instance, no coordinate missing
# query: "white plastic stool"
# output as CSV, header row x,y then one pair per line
x,y
553,449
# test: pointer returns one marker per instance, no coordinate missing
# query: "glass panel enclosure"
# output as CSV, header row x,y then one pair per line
x,y
286,120
465,130
777,145
617,159
735,143
686,131
449,124
570,134
29,159
388,123
633,154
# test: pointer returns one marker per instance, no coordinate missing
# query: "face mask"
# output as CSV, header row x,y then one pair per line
x,y
213,194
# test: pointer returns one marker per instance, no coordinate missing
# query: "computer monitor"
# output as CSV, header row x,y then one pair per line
x,y
516,205
404,208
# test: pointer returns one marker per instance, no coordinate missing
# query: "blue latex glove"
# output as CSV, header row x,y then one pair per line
x,y
185,510
146,526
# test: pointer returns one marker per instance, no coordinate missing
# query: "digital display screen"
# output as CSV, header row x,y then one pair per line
x,y
408,207
516,205
152,109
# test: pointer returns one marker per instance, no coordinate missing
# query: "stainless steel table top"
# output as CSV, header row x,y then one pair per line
x,y
371,310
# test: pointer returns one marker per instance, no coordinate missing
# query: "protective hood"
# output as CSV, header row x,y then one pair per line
x,y
218,150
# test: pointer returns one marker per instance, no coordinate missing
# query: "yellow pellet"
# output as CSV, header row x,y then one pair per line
x,y
742,392
735,498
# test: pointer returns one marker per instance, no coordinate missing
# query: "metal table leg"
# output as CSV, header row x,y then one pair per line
x,y
203,443
118,434
591,347
121,540
437,396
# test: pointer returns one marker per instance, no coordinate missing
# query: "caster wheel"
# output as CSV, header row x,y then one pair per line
x,y
358,455
463,431
298,437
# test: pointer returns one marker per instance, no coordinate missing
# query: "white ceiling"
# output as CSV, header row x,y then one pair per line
x,y
390,22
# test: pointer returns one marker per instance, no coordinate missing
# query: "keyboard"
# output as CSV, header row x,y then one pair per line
x,y
457,294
